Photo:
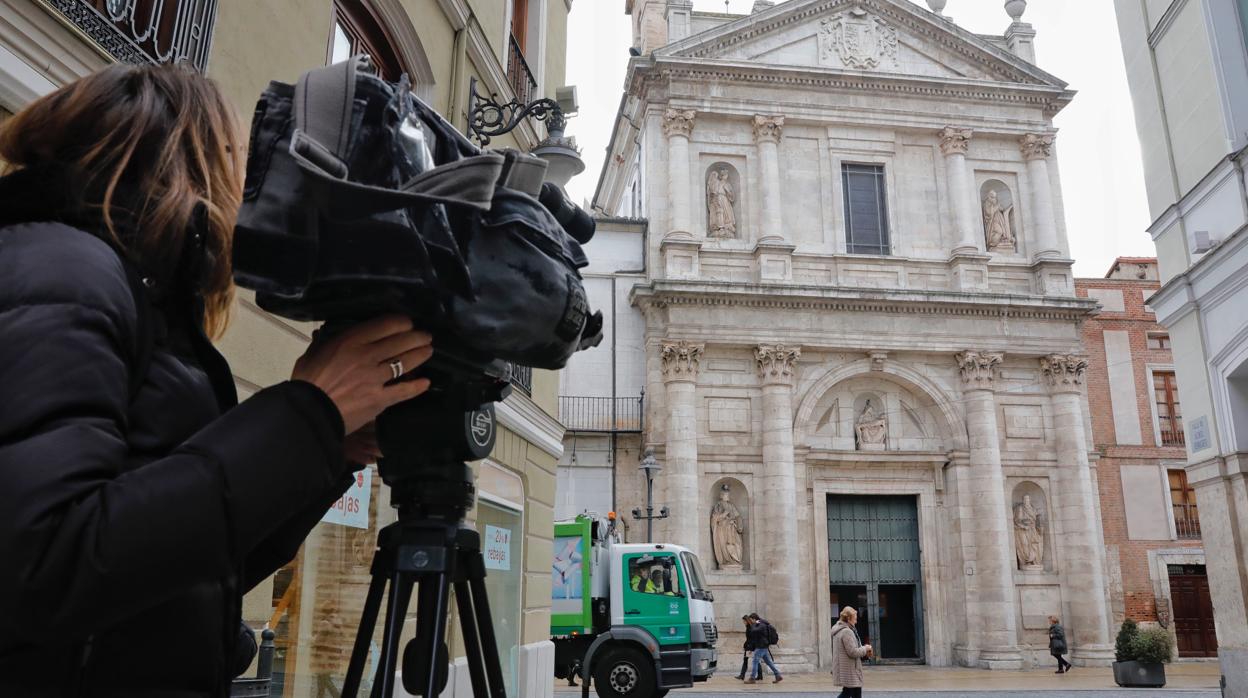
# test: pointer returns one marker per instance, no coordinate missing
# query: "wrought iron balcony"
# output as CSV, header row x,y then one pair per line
x,y
145,31
522,378
602,414
518,73
1172,438
1187,529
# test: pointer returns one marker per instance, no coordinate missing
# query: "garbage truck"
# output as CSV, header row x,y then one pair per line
x,y
633,620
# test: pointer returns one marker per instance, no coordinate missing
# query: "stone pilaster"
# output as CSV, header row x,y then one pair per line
x,y
778,494
680,361
992,629
678,125
767,133
1083,564
954,143
1036,149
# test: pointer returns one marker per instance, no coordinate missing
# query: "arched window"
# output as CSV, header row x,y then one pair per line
x,y
357,29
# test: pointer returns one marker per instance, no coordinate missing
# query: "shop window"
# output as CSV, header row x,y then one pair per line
x,y
502,532
1158,340
357,30
1169,416
866,213
1183,502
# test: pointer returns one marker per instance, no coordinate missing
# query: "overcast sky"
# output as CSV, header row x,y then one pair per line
x,y
1098,153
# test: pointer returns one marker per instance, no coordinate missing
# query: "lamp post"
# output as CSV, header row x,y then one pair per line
x,y
487,117
650,467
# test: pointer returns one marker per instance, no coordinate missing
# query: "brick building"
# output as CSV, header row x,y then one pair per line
x,y
1156,562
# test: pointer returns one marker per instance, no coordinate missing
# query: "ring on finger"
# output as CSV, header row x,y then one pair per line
x,y
396,369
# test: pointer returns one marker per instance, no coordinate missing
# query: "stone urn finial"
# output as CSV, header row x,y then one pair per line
x,y
1015,9
937,6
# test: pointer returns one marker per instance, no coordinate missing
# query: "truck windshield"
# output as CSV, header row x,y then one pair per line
x,y
693,572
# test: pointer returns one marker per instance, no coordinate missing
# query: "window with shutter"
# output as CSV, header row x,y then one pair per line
x,y
866,213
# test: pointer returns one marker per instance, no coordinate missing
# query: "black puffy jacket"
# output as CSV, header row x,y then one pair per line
x,y
130,526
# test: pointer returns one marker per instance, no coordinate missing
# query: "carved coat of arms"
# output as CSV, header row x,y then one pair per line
x,y
859,38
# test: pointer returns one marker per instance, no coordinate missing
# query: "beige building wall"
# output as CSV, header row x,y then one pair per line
x,y
314,603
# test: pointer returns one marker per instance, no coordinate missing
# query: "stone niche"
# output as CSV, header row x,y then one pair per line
x,y
722,197
1031,528
737,507
908,424
999,218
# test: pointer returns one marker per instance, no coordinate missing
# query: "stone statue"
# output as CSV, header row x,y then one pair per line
x,y
872,429
726,532
1028,537
721,219
997,224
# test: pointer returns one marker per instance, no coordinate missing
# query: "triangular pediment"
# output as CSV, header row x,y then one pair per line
x,y
890,37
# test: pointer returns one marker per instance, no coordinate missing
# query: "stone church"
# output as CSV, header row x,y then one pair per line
x,y
852,314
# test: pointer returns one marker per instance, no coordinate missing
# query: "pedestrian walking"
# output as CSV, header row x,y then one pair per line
x,y
762,636
140,500
847,654
747,649
1057,645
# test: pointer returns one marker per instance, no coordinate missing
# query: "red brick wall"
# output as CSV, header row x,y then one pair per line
x,y
1138,601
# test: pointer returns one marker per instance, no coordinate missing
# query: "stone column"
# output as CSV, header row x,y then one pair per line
x,y
781,588
953,144
677,125
990,607
680,361
767,133
1036,148
1075,505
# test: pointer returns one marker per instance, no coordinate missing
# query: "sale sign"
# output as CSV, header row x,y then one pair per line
x,y
351,509
497,548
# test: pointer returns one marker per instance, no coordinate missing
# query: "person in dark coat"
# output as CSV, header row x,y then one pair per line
x,y
760,640
747,649
1057,645
140,502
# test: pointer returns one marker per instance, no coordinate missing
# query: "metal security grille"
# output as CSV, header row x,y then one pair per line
x,y
873,539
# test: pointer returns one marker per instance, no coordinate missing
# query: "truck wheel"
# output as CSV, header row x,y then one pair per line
x,y
625,673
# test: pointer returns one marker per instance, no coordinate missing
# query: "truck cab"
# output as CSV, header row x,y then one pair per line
x,y
649,622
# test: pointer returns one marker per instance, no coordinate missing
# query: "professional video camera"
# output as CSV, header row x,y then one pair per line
x,y
362,201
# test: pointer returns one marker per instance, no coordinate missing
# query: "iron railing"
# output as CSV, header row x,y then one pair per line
x,y
518,73
1187,529
145,31
522,378
605,414
1172,438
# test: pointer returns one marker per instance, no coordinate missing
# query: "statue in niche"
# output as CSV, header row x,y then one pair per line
x,y
1028,536
997,224
871,429
720,197
727,530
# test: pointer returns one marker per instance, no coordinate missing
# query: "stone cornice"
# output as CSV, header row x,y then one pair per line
x,y
662,71
975,49
664,293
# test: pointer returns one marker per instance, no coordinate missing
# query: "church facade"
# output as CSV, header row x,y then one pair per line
x,y
856,328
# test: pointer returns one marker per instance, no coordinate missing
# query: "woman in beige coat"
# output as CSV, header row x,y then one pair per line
x,y
847,654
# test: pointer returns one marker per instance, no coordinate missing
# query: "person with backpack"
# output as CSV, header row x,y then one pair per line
x,y
847,654
140,500
762,635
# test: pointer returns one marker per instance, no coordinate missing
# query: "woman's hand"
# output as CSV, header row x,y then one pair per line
x,y
356,368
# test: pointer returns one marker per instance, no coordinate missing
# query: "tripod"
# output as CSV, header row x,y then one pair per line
x,y
429,547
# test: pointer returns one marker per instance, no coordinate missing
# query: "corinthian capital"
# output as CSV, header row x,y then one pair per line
x,y
680,360
768,128
954,140
775,362
977,368
1036,146
678,122
1064,372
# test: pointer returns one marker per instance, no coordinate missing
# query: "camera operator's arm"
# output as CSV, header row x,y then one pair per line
x,y
88,539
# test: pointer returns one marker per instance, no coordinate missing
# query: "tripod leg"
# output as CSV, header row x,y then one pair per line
x,y
475,569
472,643
426,657
368,621
396,610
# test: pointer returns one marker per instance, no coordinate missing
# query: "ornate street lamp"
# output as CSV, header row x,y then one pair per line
x,y
650,467
488,118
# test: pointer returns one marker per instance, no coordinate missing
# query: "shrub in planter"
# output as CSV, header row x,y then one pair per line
x,y
1141,655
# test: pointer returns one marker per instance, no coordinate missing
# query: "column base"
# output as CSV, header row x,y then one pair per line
x,y
792,661
1092,655
996,659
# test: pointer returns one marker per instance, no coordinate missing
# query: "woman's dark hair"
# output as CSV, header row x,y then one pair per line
x,y
156,146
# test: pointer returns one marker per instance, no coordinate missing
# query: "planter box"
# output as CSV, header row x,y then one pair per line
x,y
1139,675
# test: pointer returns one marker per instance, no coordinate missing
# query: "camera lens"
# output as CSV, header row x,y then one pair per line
x,y
579,224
